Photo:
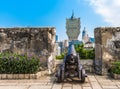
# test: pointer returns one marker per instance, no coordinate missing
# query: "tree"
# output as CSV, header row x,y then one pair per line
x,y
84,53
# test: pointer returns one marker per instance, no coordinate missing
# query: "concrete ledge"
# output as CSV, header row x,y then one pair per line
x,y
87,64
115,76
9,76
23,76
15,76
3,76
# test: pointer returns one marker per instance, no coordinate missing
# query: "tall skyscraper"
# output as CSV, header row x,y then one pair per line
x,y
73,27
85,37
56,38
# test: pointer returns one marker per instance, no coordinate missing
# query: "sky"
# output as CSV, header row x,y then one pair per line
x,y
53,13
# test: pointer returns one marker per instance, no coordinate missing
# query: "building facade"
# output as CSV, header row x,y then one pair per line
x,y
85,37
73,27
88,42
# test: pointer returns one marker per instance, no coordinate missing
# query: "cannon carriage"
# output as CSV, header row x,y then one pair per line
x,y
71,66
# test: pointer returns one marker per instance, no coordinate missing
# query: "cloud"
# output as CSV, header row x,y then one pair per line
x,y
108,9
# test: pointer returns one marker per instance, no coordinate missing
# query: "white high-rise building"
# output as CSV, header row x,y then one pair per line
x,y
85,37
58,49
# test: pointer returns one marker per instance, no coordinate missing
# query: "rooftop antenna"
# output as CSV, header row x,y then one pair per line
x,y
84,28
72,14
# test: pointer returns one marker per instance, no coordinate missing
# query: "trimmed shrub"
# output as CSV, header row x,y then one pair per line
x,y
84,53
18,64
61,56
115,67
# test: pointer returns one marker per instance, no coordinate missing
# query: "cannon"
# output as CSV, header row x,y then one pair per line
x,y
71,67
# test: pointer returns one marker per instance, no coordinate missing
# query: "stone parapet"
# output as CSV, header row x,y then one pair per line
x,y
107,48
39,42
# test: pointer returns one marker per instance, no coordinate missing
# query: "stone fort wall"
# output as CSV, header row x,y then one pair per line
x,y
38,42
107,47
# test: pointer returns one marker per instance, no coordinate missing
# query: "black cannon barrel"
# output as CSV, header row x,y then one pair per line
x,y
71,50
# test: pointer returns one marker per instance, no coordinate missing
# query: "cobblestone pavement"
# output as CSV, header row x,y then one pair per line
x,y
92,82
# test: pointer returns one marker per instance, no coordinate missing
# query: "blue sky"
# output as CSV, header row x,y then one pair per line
x,y
53,13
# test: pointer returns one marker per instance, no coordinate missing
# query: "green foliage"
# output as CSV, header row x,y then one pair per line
x,y
84,53
61,56
115,67
18,64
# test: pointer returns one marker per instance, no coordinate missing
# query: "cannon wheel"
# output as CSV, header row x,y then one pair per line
x,y
60,77
82,75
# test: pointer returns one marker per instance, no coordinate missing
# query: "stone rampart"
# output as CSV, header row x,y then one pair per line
x,y
38,42
107,47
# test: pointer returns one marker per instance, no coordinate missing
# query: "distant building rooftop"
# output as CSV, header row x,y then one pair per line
x,y
76,42
92,40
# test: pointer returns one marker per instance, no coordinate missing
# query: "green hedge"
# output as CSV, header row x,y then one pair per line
x,y
115,67
85,53
61,56
18,64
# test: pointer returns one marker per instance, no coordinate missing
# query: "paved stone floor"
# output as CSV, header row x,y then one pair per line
x,y
92,82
